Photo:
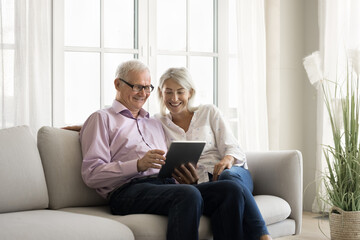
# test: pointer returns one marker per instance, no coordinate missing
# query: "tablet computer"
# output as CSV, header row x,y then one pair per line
x,y
181,152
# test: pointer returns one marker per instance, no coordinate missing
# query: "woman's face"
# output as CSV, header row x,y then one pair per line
x,y
175,97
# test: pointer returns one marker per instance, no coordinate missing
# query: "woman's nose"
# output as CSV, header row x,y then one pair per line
x,y
174,97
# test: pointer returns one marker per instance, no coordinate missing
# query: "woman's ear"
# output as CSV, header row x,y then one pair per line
x,y
159,92
191,92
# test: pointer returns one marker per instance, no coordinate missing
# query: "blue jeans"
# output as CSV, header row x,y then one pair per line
x,y
254,224
221,201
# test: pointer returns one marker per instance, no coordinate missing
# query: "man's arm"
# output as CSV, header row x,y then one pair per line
x,y
98,169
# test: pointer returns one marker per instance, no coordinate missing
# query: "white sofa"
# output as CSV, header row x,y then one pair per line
x,y
43,195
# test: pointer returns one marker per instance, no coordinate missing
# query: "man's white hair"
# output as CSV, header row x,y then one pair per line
x,y
123,69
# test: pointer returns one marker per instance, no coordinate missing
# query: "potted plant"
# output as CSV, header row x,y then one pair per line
x,y
342,177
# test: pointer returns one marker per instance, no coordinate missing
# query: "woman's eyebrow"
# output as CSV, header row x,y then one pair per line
x,y
175,89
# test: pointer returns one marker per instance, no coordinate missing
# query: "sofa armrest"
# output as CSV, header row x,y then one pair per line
x,y
279,173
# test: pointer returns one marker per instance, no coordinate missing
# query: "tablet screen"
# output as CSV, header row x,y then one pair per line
x,y
181,152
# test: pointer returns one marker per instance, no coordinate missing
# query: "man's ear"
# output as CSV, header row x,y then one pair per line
x,y
117,84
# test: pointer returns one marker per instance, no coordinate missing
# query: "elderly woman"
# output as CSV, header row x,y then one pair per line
x,y
222,157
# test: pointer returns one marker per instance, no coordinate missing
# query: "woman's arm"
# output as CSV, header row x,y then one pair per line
x,y
76,128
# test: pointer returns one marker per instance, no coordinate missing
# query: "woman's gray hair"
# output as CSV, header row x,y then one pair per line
x,y
182,77
129,66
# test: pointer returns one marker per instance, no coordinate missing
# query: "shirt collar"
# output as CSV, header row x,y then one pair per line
x,y
168,117
120,108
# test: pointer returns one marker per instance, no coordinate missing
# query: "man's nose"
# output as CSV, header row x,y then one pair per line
x,y
142,91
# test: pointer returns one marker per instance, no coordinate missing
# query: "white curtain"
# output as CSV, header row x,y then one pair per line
x,y
339,25
251,60
25,63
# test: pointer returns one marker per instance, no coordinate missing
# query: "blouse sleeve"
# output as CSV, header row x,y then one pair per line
x,y
226,142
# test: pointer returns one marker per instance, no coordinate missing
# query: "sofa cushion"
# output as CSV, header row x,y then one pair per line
x,y
50,224
61,155
272,208
284,228
144,226
22,181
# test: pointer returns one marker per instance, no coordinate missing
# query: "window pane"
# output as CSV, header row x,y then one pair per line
x,y
82,86
171,24
202,25
119,23
232,27
233,83
202,72
165,61
7,100
8,73
111,62
7,19
82,23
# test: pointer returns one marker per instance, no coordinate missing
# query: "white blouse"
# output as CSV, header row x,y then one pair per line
x,y
207,124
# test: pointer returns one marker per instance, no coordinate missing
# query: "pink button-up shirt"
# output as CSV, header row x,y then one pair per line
x,y
112,141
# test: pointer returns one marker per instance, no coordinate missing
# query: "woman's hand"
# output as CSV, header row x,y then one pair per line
x,y
225,163
185,174
152,159
75,128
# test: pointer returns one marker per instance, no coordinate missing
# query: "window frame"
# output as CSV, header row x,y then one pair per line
x,y
145,49
59,49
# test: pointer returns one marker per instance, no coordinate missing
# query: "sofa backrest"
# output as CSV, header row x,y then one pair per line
x,y
60,152
22,181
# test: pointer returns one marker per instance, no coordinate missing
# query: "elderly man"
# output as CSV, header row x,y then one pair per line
x,y
123,150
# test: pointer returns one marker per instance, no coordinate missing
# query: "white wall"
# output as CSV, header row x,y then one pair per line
x,y
311,35
292,33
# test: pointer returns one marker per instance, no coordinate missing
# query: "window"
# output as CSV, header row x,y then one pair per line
x,y
188,40
91,37
229,63
7,62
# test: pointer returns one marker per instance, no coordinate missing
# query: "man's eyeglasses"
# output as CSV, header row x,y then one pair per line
x,y
139,88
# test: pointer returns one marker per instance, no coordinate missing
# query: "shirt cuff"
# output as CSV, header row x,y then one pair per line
x,y
130,167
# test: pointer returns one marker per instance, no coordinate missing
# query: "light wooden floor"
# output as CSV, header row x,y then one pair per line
x,y
314,227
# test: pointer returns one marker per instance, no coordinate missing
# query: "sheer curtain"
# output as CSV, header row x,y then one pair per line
x,y
339,24
251,75
25,63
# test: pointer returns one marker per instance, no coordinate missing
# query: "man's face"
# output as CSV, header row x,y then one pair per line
x,y
129,98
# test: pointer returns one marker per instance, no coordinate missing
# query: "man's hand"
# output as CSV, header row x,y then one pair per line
x,y
226,162
152,159
185,174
